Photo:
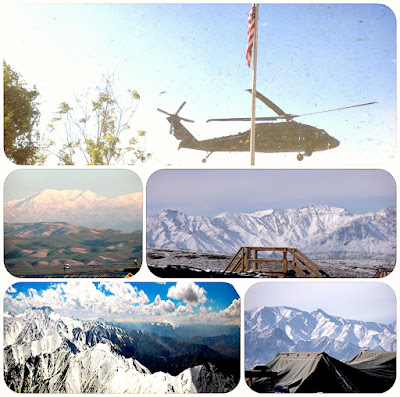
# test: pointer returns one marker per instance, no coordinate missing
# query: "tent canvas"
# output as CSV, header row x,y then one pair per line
x,y
319,372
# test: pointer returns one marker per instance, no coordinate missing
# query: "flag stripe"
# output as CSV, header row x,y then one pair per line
x,y
250,33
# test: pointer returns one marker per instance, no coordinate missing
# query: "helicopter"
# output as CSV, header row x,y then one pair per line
x,y
270,136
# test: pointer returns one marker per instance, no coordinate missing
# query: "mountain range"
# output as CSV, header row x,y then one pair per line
x,y
272,330
318,231
78,207
46,352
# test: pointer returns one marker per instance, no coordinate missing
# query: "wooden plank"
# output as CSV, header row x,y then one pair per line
x,y
297,255
308,260
266,260
297,269
285,267
268,248
231,263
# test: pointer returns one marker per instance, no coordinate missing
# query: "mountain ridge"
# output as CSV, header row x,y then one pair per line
x,y
47,352
81,207
320,231
279,329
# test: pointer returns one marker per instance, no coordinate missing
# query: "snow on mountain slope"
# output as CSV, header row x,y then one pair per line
x,y
45,352
98,370
79,207
319,231
271,330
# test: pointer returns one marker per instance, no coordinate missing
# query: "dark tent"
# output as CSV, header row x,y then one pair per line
x,y
381,365
318,372
370,360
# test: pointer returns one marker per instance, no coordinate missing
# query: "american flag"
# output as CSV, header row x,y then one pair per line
x,y
250,32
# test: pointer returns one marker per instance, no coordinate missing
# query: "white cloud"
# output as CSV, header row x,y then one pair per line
x,y
126,293
182,309
11,290
81,295
20,295
232,311
188,292
203,310
158,308
123,302
230,315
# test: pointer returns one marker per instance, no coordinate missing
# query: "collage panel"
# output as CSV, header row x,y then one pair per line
x,y
271,223
216,112
174,95
117,337
320,337
73,223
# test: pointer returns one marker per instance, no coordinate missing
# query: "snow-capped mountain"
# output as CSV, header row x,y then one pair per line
x,y
272,330
79,207
319,231
46,352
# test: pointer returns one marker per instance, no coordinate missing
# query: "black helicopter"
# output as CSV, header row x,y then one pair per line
x,y
270,137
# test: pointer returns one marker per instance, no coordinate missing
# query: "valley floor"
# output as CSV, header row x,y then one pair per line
x,y
82,271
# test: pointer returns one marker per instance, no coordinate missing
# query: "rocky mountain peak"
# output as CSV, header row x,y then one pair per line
x,y
79,207
302,331
318,231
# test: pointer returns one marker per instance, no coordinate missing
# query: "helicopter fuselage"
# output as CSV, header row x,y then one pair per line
x,y
270,137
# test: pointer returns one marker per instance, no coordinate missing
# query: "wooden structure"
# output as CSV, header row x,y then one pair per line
x,y
382,273
292,264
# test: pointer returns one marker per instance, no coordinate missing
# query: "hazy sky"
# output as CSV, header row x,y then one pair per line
x,y
105,182
211,192
181,302
311,57
371,301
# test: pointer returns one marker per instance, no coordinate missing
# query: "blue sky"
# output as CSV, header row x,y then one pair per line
x,y
311,57
371,301
105,182
211,192
182,302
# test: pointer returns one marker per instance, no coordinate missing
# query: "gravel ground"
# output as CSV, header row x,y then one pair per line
x,y
175,262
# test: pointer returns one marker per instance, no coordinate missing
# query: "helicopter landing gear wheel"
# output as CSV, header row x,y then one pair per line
x,y
205,158
300,157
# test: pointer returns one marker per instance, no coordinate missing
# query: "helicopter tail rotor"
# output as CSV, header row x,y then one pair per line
x,y
174,116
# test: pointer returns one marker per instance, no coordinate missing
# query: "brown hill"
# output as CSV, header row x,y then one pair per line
x,y
45,247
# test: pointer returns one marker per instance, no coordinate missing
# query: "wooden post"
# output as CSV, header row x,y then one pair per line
x,y
285,261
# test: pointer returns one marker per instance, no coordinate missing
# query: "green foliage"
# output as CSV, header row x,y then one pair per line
x,y
22,143
94,127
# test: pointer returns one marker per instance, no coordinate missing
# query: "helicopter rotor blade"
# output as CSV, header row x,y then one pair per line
x,y
176,114
248,119
269,103
163,111
189,121
180,108
333,110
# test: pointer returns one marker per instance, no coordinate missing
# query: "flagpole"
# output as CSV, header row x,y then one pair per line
x,y
254,90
